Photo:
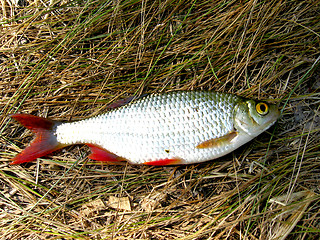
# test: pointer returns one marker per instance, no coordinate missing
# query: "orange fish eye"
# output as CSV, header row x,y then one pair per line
x,y
262,108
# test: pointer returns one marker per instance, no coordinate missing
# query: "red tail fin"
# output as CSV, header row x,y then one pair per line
x,y
45,141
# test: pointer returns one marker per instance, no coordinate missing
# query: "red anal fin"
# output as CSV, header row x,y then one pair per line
x,y
101,154
215,142
45,141
164,162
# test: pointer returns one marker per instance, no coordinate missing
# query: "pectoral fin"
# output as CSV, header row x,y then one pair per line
x,y
215,142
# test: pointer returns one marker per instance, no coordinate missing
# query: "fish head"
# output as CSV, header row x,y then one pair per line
x,y
254,117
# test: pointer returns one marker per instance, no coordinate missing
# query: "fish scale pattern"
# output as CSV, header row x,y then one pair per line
x,y
159,126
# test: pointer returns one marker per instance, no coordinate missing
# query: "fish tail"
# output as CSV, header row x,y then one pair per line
x,y
45,141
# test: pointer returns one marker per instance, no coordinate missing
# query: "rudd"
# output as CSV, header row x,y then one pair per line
x,y
160,129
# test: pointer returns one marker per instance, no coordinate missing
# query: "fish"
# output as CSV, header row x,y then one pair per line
x,y
179,127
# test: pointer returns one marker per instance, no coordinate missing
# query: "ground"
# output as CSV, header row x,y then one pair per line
x,y
68,60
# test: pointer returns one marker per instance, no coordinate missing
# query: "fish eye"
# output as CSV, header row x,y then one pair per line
x,y
262,108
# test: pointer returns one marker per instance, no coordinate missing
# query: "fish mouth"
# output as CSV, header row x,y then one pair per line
x,y
274,117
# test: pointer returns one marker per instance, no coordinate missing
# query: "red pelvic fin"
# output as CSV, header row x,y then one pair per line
x,y
45,141
164,162
100,154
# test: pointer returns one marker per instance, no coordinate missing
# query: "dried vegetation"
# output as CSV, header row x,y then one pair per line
x,y
68,60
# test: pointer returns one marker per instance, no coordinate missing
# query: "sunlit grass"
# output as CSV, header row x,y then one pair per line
x,y
68,60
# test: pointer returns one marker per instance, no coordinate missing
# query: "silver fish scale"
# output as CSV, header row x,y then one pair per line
x,y
159,126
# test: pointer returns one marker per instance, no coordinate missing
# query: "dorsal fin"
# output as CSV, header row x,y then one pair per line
x,y
125,101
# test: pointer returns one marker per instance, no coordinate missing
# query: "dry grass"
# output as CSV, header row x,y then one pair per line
x,y
68,59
